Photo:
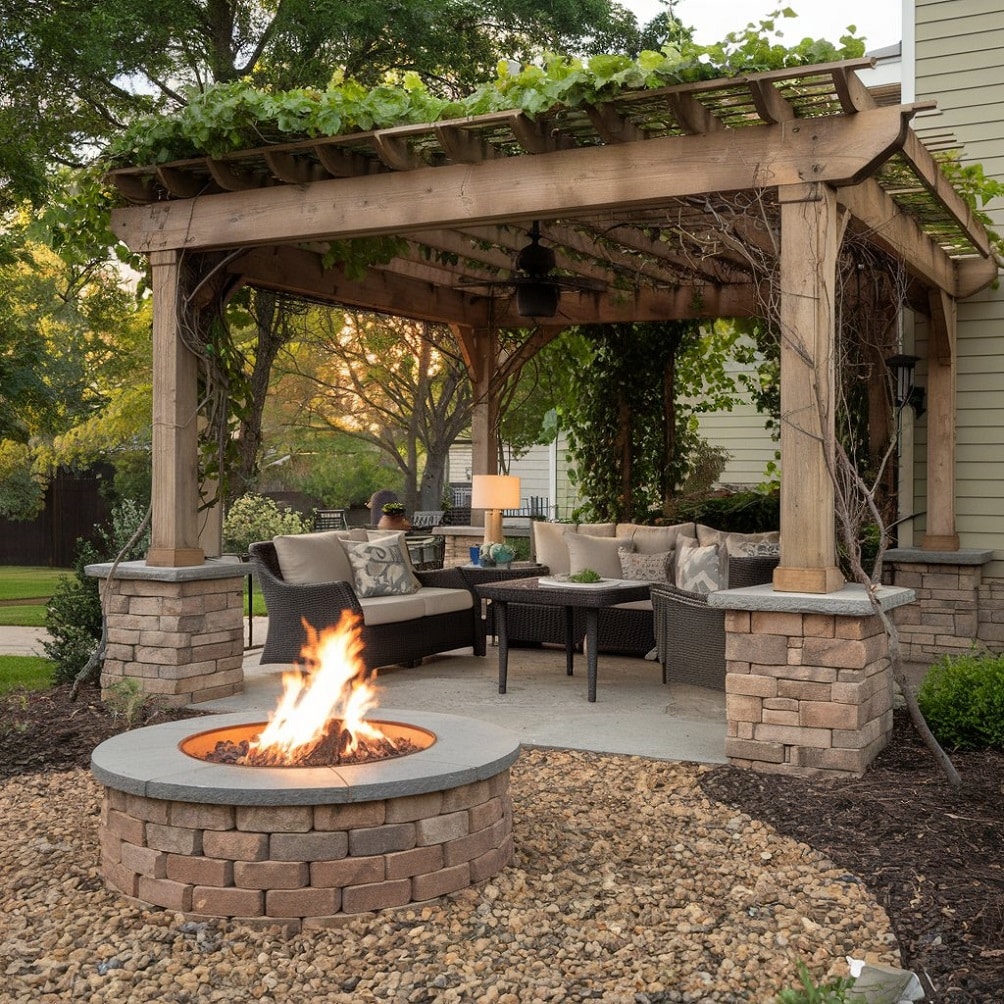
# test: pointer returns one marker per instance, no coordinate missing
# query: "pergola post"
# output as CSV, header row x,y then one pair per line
x,y
941,534
480,349
175,534
811,229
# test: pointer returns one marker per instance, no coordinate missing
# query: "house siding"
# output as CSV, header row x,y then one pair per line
x,y
959,62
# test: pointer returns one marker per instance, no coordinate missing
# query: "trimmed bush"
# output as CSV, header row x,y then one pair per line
x,y
256,517
962,698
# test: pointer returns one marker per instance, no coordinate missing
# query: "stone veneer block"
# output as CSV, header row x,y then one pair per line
x,y
179,632
812,693
212,840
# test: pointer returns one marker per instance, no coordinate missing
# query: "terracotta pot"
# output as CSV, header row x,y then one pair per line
x,y
394,523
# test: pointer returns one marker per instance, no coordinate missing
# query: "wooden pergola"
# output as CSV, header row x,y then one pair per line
x,y
656,197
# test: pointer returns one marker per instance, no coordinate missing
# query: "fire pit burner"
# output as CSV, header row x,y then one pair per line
x,y
231,746
302,847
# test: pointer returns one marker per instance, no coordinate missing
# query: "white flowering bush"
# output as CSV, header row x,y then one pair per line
x,y
254,517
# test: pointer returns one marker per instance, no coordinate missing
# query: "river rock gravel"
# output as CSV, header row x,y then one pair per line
x,y
629,886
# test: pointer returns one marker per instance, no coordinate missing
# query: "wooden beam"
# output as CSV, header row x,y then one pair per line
x,y
899,234
691,115
931,177
770,106
811,231
301,273
611,126
175,497
941,534
575,182
341,163
228,178
463,146
293,170
395,152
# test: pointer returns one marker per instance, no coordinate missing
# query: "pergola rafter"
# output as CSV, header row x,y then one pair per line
x,y
634,192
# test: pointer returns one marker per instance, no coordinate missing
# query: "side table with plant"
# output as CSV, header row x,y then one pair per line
x,y
393,517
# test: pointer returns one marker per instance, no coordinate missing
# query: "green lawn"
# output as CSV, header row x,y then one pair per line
x,y
32,585
28,671
23,583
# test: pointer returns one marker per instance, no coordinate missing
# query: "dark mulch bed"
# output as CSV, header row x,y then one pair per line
x,y
932,855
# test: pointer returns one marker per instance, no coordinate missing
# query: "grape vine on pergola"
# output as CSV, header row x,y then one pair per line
x,y
638,197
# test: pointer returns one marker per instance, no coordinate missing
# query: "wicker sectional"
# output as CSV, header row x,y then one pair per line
x,y
389,643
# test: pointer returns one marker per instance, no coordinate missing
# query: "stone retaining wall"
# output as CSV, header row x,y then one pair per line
x,y
302,865
806,692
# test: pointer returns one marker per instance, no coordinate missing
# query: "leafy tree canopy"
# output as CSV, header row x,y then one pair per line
x,y
76,73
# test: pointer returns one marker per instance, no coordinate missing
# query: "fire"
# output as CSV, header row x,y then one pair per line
x,y
333,688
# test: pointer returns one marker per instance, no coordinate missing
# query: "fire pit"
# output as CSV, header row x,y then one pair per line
x,y
303,845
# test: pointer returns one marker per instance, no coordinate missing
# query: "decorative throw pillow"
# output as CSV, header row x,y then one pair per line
x,y
756,549
598,553
313,557
655,567
698,568
549,545
381,567
656,539
753,545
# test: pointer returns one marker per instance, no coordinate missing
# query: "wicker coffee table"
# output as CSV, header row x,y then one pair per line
x,y
588,598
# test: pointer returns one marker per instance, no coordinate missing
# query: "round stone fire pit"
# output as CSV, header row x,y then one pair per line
x,y
299,845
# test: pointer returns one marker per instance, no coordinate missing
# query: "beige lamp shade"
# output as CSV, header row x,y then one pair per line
x,y
494,492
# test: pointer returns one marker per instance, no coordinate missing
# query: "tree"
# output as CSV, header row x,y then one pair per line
x,y
64,332
630,408
75,74
394,384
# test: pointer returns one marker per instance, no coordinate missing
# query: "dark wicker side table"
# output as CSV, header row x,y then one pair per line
x,y
571,598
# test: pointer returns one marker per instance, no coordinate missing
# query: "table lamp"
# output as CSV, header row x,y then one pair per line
x,y
493,493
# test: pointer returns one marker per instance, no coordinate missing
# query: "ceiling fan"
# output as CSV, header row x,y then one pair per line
x,y
537,290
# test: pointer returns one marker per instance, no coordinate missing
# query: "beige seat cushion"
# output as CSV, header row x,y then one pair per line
x,y
392,609
313,557
601,554
427,602
634,605
439,600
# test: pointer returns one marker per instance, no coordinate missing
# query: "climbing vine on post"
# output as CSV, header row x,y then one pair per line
x,y
632,407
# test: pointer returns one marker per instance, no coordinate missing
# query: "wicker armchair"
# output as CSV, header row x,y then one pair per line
x,y
690,635
321,605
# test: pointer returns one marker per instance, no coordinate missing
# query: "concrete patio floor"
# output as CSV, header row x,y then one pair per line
x,y
634,712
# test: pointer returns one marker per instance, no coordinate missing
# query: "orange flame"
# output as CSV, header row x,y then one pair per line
x,y
335,687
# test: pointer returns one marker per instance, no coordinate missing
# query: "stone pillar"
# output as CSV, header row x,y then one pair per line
x,y
808,681
178,632
955,606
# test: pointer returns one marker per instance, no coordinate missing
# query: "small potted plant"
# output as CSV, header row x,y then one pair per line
x,y
496,554
393,517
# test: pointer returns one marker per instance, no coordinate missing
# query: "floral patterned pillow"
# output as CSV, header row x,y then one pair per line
x,y
656,567
379,568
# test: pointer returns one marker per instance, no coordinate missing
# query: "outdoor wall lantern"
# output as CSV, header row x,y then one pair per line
x,y
907,392
493,493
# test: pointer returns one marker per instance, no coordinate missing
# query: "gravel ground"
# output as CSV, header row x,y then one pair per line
x,y
629,885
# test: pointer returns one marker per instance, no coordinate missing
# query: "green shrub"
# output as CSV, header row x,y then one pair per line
x,y
255,517
73,619
73,614
962,698
737,512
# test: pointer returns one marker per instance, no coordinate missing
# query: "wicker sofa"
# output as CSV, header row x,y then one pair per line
x,y
628,628
442,614
690,635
